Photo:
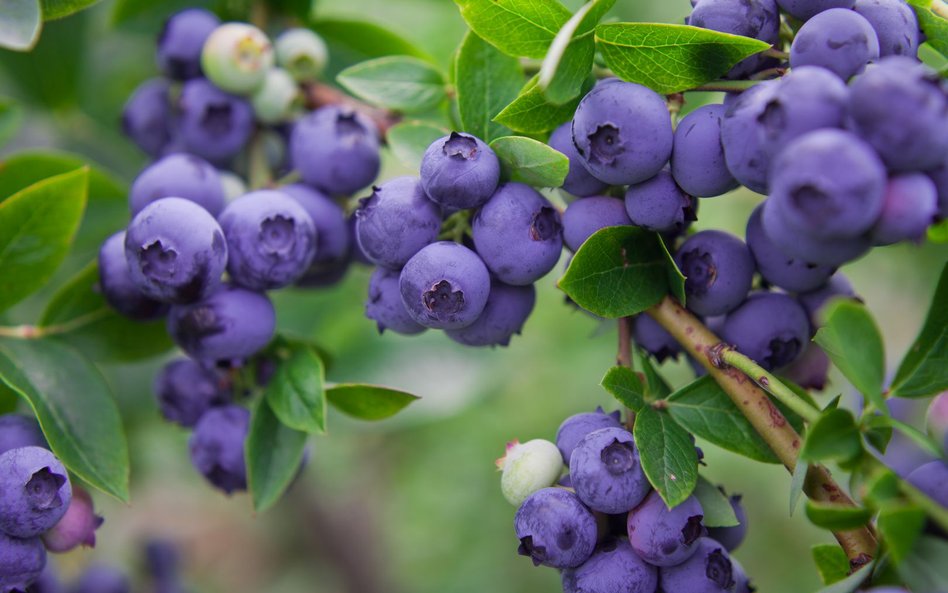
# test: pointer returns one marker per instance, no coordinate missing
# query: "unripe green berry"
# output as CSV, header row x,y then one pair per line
x,y
236,57
234,186
276,98
302,53
529,467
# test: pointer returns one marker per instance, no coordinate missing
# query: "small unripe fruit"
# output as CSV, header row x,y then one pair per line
x,y
77,527
276,98
236,57
529,467
302,53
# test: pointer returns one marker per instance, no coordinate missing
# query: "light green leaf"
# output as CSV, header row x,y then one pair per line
x,y
925,568
529,161
570,57
486,82
368,402
831,563
626,386
10,117
409,140
836,517
400,83
20,24
353,41
900,527
935,29
833,436
274,453
852,341
852,582
57,9
519,28
718,511
658,387
924,370
668,455
295,392
531,113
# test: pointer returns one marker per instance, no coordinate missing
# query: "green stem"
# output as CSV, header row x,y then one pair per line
x,y
776,53
291,177
786,31
768,383
727,86
259,168
34,332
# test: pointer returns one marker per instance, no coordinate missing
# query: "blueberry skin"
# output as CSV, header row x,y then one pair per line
x,y
613,568
178,176
663,536
459,171
214,125
576,427
932,480
396,221
217,447
518,234
742,584
658,204
940,177
21,562
117,286
622,132
584,217
99,578
758,19
900,108
34,491
745,152
895,25
147,117
719,271
828,184
385,306
837,39
806,9
17,430
769,327
176,251
811,370
185,390
445,286
336,150
709,570
778,268
649,335
47,582
507,309
830,252
77,527
911,205
181,40
606,472
814,301
162,559
697,161
731,537
579,181
333,236
555,529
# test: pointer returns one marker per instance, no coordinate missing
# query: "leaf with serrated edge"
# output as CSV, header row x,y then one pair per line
x,y
274,453
486,81
924,370
851,339
624,385
529,161
667,454
368,402
400,83
519,28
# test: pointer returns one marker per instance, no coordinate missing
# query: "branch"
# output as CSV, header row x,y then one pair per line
x,y
728,356
319,95
624,359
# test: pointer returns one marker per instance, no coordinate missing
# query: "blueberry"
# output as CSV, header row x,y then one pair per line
x,y
900,108
584,217
162,560
302,53
232,323
697,161
758,19
932,480
936,419
555,529
911,205
895,25
814,301
663,536
806,9
333,236
649,335
731,537
277,98
178,176
236,57
77,527
336,149
606,472
742,584
709,570
459,171
99,578
214,124
622,132
17,430
34,491
830,252
658,204
385,306
21,562
527,468
769,327
940,177
613,568
147,118
47,582
518,233
217,447
579,181
719,270
181,40
185,390
811,370
778,268
117,286
576,427
176,251
745,151
507,309
837,39
445,286
396,221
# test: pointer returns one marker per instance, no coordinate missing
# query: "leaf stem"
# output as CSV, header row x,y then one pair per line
x,y
773,52
768,382
35,332
259,173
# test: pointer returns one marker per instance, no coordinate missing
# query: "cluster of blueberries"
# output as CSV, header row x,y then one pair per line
x,y
604,526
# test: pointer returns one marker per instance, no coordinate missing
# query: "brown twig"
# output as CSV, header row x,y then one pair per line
x,y
320,94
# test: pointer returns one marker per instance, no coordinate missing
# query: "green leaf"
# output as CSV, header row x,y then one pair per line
x,y
368,402
924,370
486,81
619,271
718,511
852,341
353,41
11,116
676,280
922,440
274,452
57,9
833,436
935,29
900,527
668,455
626,386
37,226
52,73
938,233
20,24
671,58
836,517
831,563
74,407
519,28
400,83
797,481
8,399
852,582
658,388
531,113
296,393
409,140
570,57
529,161
925,568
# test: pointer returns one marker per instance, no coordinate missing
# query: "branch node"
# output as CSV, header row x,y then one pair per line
x,y
716,354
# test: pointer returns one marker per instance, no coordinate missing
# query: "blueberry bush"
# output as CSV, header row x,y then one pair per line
x,y
197,197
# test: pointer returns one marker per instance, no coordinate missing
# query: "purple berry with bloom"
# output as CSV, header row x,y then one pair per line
x,y
663,536
17,430
507,309
708,570
769,327
555,529
178,176
185,390
21,563
385,306
459,171
34,491
606,472
445,286
614,567
336,149
214,124
396,222
719,270
217,447
584,217
579,181
181,40
576,427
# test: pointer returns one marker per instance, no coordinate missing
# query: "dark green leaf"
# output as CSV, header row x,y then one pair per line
x,y
274,452
74,407
833,436
676,280
354,41
409,140
797,480
852,341
301,9
626,386
531,113
368,402
50,74
10,117
37,226
296,393
20,24
925,568
900,527
831,563
938,233
570,57
718,511
671,58
658,387
922,440
852,582
520,28
924,370
149,13
8,399
881,488
529,161
836,517
486,81
400,83
619,271
668,455
57,9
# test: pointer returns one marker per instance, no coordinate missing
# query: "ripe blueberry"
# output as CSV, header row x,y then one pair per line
x,y
335,149
507,309
181,40
769,327
459,171
445,286
217,447
584,217
606,472
663,536
178,176
555,529
34,491
385,306
396,221
579,181
719,270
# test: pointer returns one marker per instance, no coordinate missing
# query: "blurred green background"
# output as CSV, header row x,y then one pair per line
x,y
412,504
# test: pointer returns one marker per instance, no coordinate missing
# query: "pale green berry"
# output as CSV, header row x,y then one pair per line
x,y
236,57
276,98
234,186
302,53
529,467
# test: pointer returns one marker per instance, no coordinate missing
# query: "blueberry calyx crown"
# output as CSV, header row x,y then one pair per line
x,y
460,146
43,490
527,548
618,457
699,269
158,263
276,233
443,299
545,225
718,569
604,144
692,530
